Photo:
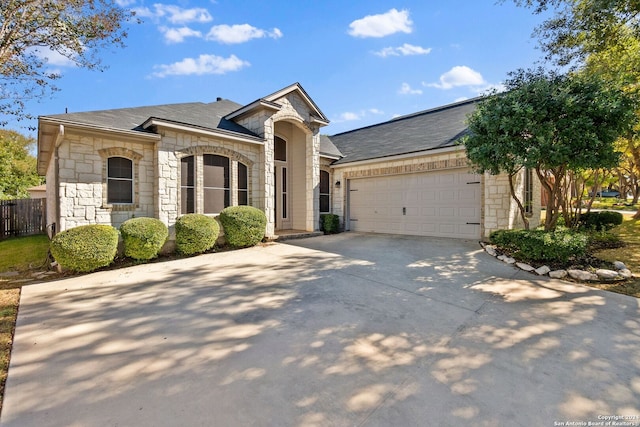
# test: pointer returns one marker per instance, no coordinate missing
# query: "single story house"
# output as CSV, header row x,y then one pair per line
x,y
406,176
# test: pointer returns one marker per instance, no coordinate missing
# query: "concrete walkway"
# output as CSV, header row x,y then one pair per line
x,y
345,330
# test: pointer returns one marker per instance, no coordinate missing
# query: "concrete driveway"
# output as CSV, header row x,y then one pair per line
x,y
344,330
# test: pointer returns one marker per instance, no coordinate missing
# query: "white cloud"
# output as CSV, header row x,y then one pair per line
x,y
240,33
500,87
406,89
382,25
460,99
125,3
349,116
178,15
204,64
52,57
460,75
177,35
404,50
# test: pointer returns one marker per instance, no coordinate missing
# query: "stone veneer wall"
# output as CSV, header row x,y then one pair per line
x,y
498,210
293,110
501,211
82,180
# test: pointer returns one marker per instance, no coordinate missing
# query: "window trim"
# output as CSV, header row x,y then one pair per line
x,y
134,157
112,179
234,158
321,194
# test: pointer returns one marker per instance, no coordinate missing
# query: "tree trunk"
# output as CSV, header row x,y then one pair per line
x,y
523,213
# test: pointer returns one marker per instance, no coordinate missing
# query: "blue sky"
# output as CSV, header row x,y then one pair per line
x,y
362,62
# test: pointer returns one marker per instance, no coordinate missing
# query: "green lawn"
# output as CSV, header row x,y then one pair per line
x,y
20,254
23,253
629,232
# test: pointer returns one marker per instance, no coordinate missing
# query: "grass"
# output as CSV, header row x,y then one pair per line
x,y
629,232
22,254
615,204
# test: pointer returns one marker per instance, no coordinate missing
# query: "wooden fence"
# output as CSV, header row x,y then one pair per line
x,y
22,217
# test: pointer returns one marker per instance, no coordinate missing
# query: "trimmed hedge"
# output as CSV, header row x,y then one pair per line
x,y
330,223
85,248
540,245
600,221
196,233
243,226
143,237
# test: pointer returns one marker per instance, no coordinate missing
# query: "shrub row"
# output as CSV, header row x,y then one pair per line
x,y
89,247
540,245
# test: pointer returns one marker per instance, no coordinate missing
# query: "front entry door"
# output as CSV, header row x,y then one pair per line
x,y
282,199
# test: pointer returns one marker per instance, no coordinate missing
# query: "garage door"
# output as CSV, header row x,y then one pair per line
x,y
443,204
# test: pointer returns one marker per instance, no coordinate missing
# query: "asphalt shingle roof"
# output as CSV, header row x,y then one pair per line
x,y
204,115
426,130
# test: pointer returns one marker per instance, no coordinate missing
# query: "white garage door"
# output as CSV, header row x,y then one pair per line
x,y
443,204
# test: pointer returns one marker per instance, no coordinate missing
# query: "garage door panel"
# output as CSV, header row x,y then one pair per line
x,y
444,204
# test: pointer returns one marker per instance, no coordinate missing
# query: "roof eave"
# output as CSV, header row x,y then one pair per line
x,y
51,131
346,163
255,105
220,133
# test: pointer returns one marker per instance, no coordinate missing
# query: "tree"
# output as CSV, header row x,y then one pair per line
x,y
33,30
552,123
582,27
17,167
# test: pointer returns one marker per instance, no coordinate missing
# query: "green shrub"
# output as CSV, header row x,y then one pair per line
x,y
196,233
603,220
243,226
85,248
540,245
143,237
329,223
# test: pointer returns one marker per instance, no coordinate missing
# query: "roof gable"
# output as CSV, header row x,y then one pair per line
x,y
271,102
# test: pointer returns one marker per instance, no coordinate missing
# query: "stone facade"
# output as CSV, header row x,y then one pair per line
x,y
81,181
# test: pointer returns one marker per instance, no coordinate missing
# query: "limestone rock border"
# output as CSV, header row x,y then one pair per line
x,y
600,275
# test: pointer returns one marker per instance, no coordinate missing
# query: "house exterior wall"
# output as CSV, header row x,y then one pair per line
x,y
295,110
81,183
176,145
498,209
293,122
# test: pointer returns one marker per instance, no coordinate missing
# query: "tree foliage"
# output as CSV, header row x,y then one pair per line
x,y
17,165
33,30
551,123
580,28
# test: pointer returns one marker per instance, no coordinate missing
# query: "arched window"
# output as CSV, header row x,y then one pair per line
x,y
325,202
119,180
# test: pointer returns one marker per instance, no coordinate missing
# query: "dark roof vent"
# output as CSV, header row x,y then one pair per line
x,y
218,99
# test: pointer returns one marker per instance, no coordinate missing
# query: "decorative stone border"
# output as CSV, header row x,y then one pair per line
x,y
600,275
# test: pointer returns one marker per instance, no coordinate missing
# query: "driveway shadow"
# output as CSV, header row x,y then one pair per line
x,y
352,329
